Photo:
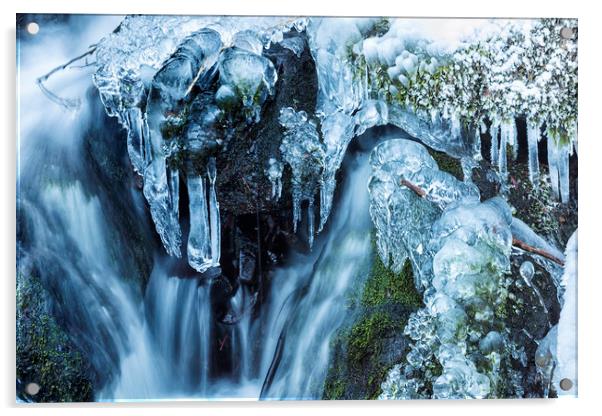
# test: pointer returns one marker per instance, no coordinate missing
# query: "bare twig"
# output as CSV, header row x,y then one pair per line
x,y
526,247
418,190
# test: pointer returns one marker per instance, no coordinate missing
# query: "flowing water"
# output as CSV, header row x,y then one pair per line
x,y
171,354
166,343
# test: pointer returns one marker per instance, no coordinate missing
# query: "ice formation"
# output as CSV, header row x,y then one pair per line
x,y
471,243
172,128
460,250
488,72
182,86
274,174
442,89
304,153
402,218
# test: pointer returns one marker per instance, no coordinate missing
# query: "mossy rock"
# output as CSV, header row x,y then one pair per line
x,y
385,286
368,346
45,354
447,163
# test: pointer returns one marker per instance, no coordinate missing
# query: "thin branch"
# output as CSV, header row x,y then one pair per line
x,y
526,247
418,190
65,65
69,103
515,241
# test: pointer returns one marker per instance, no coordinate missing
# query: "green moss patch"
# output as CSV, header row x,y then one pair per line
x,y
372,342
385,286
45,354
447,164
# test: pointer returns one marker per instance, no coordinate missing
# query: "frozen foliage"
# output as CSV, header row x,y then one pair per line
x,y
402,218
304,153
482,71
471,243
248,75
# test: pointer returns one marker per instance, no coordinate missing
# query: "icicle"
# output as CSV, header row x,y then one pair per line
x,y
274,174
502,160
513,138
311,215
527,270
214,214
456,127
296,209
563,172
468,164
174,191
566,357
476,145
135,139
533,134
326,195
553,163
199,239
494,151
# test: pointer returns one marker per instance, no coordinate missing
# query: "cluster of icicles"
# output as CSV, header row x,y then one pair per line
x,y
346,107
504,134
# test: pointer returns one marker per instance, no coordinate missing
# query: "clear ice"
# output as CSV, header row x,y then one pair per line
x,y
303,151
459,248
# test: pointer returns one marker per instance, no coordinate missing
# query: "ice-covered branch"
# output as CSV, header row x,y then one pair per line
x,y
515,241
68,103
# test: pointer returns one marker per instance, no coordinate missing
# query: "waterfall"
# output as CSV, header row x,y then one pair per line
x,y
317,308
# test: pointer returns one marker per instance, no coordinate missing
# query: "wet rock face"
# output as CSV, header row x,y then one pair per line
x,y
532,309
372,341
242,185
46,355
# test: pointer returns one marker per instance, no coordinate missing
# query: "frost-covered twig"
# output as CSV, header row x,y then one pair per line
x,y
418,190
